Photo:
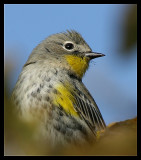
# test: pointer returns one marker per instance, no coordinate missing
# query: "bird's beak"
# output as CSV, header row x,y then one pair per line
x,y
93,55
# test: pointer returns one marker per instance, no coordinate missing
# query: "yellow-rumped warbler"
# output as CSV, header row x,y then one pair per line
x,y
50,89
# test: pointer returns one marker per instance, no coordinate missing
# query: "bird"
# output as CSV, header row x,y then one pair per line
x,y
50,89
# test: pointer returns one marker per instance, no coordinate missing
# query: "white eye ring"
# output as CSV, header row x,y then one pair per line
x,y
68,45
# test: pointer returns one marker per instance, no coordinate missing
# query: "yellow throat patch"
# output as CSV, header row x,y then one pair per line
x,y
78,64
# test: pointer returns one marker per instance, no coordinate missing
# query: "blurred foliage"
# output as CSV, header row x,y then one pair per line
x,y
129,21
119,138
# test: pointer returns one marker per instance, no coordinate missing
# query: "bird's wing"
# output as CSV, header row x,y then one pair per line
x,y
88,110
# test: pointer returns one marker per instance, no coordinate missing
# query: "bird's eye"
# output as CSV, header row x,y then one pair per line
x,y
69,46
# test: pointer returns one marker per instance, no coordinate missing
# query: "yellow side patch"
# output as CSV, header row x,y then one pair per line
x,y
78,64
65,99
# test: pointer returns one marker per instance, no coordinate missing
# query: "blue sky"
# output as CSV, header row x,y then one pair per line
x,y
112,80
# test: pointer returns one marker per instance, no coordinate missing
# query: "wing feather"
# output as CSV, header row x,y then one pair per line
x,y
89,111
82,113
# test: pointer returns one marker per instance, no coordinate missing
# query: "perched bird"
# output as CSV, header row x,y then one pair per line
x,y
50,89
